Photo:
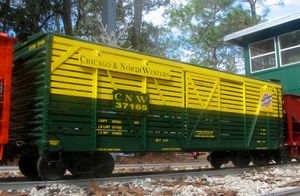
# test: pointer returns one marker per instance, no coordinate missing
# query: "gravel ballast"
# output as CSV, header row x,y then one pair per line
x,y
257,182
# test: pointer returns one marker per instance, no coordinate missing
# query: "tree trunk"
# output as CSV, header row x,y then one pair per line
x,y
214,58
66,16
137,24
120,11
252,4
57,22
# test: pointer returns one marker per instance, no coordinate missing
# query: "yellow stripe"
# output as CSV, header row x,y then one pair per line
x,y
73,74
95,84
71,86
70,93
63,79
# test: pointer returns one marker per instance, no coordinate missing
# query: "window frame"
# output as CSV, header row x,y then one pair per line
x,y
261,55
285,49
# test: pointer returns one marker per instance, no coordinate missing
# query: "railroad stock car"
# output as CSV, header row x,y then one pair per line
x,y
75,102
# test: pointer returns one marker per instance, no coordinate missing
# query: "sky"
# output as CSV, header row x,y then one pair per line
x,y
290,7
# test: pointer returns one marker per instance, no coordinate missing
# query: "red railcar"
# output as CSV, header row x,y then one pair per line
x,y
6,57
292,111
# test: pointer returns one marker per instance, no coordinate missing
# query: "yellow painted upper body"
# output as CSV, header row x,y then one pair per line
x,y
88,70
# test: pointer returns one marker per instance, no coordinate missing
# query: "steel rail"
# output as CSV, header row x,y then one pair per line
x,y
287,192
118,166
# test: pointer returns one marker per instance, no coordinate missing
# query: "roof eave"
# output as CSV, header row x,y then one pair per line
x,y
237,37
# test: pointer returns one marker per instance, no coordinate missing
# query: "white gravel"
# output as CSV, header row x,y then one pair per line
x,y
257,182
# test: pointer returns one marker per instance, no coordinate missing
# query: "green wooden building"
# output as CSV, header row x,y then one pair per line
x,y
272,51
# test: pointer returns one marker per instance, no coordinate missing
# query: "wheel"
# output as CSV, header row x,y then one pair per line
x,y
50,170
242,160
260,161
104,165
215,160
216,164
28,165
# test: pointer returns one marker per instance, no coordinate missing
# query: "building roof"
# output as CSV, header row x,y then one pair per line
x,y
237,37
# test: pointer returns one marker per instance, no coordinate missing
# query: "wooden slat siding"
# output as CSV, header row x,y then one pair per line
x,y
76,79
231,90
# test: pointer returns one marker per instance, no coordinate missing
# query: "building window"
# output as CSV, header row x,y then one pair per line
x,y
262,55
290,48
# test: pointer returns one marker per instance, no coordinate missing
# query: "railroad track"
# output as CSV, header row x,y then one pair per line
x,y
23,183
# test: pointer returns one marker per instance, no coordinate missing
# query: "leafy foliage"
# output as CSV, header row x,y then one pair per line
x,y
26,17
204,24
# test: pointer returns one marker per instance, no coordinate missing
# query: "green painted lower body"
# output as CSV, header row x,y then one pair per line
x,y
76,125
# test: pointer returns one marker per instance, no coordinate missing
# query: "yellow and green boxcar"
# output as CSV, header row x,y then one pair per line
x,y
75,100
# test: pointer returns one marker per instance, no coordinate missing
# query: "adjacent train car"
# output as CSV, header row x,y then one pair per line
x,y
6,58
74,102
292,133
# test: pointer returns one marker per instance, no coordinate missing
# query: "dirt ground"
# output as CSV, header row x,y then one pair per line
x,y
155,158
